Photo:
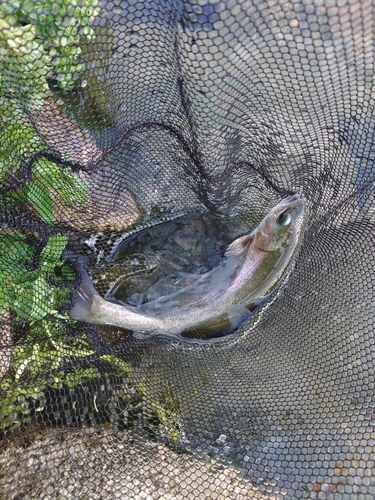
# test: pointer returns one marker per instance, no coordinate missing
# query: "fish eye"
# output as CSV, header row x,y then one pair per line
x,y
284,219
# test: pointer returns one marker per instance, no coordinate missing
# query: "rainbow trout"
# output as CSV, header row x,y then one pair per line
x,y
218,301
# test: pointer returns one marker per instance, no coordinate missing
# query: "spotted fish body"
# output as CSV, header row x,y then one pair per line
x,y
218,301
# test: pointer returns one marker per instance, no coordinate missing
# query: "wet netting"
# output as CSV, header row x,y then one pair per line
x,y
137,141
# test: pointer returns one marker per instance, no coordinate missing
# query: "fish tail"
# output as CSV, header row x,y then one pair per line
x,y
82,309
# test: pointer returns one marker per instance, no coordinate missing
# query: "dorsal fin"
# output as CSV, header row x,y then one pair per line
x,y
238,245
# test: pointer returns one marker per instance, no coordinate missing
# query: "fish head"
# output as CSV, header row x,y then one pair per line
x,y
282,226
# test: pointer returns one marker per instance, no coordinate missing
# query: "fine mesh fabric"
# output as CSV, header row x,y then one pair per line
x,y
168,109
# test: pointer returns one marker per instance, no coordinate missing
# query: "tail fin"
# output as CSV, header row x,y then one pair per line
x,y
86,293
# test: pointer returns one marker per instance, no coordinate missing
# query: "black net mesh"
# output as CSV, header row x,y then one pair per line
x,y
138,139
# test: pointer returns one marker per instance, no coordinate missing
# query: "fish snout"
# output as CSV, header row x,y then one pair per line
x,y
289,203
291,199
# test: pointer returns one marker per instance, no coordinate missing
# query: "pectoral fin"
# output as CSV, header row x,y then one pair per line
x,y
238,245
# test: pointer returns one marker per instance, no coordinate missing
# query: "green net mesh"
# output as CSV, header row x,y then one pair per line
x,y
138,139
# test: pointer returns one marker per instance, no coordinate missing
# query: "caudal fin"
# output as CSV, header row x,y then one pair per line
x,y
82,308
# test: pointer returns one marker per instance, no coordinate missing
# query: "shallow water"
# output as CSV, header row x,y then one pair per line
x,y
172,253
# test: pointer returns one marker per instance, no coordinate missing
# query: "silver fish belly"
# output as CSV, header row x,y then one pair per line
x,y
218,301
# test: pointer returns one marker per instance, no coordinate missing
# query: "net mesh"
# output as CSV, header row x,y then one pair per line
x,y
119,119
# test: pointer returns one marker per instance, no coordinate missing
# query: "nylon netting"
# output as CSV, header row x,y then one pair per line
x,y
123,123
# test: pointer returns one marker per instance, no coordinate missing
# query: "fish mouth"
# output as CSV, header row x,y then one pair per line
x,y
294,200
291,199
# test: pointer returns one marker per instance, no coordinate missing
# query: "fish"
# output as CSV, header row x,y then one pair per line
x,y
217,302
